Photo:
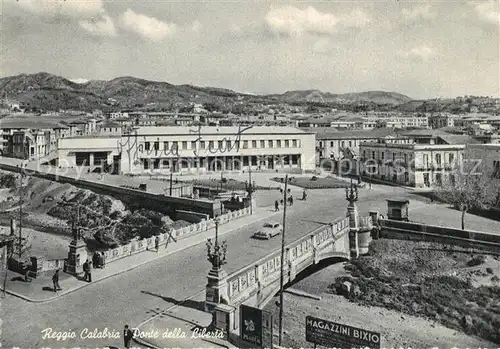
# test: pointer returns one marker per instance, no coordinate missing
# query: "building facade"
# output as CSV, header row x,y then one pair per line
x,y
193,149
415,165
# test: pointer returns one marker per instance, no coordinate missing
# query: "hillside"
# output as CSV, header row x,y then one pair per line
x,y
50,92
378,97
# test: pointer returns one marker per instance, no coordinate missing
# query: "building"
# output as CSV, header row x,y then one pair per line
x,y
442,120
415,164
331,144
489,154
193,149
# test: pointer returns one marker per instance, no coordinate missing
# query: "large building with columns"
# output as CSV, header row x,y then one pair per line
x,y
192,149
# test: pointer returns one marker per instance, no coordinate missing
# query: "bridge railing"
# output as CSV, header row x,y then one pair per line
x,y
149,243
392,228
267,269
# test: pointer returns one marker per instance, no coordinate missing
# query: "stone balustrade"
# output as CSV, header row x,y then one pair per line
x,y
138,246
299,254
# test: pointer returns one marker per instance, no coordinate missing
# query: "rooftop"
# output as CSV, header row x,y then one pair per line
x,y
227,130
29,124
458,139
353,134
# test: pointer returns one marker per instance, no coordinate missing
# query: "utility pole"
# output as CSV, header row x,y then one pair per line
x,y
171,181
21,199
285,194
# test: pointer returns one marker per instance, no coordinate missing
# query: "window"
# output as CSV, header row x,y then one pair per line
x,y
278,144
193,145
294,159
294,143
393,156
228,145
343,144
426,160
156,145
383,155
220,145
175,145
147,145
262,144
146,164
438,159
270,143
350,144
254,144
184,145
245,144
321,144
202,144
451,157
373,155
331,144
165,145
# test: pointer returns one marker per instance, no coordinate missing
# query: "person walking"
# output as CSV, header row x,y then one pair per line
x,y
55,281
86,270
157,243
276,206
291,200
304,195
127,336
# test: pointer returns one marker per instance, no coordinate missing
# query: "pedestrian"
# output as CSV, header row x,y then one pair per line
x,y
304,195
55,281
157,243
103,260
86,270
276,206
95,260
291,200
127,336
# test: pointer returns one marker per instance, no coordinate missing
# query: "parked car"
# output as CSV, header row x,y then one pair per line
x,y
268,230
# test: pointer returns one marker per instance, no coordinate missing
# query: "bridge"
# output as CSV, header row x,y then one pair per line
x,y
256,284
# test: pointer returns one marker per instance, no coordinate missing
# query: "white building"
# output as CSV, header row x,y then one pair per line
x,y
193,149
416,164
489,154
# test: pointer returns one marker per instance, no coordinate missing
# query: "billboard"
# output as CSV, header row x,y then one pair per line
x,y
332,334
256,326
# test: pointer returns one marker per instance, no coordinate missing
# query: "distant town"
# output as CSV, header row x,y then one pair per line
x,y
139,213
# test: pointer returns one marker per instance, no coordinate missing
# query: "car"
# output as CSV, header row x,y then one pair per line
x,y
268,231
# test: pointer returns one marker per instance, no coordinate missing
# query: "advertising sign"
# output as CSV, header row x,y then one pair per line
x,y
251,325
332,334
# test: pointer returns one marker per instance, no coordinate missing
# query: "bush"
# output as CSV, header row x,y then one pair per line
x,y
477,260
8,180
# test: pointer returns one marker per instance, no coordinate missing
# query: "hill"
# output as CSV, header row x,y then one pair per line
x,y
378,97
50,92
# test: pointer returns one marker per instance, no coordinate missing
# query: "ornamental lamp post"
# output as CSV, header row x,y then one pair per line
x,y
216,289
216,253
351,193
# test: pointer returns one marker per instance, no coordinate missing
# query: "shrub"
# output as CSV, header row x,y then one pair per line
x,y
477,260
8,180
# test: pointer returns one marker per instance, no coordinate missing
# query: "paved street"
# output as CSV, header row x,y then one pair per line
x,y
135,296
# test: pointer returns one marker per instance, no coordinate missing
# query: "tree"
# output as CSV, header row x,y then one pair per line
x,y
468,187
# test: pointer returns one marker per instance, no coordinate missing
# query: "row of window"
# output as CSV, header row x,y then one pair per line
x,y
438,157
218,164
342,144
227,145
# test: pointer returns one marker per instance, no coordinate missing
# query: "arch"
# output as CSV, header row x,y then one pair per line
x,y
266,294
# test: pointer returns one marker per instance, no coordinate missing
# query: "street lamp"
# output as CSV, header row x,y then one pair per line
x,y
216,253
250,188
351,193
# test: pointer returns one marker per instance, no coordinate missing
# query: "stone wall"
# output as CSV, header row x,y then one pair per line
x,y
138,246
423,232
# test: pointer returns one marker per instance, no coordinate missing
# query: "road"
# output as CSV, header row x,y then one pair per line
x,y
135,296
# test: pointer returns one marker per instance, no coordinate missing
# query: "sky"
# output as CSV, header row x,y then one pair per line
x,y
424,49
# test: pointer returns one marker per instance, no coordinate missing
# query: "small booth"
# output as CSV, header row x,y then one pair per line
x,y
397,209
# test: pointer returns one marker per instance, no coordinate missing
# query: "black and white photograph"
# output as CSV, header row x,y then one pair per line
x,y
273,174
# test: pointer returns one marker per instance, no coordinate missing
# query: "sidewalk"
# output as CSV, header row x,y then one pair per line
x,y
40,289
189,320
